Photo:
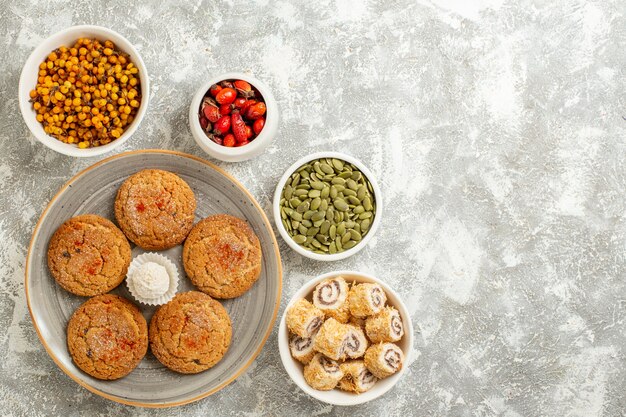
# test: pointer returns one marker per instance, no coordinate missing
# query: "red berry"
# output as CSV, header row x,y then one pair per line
x,y
242,85
226,84
203,122
246,106
214,89
255,111
239,101
211,112
239,127
222,125
258,125
229,140
224,109
226,96
245,142
249,132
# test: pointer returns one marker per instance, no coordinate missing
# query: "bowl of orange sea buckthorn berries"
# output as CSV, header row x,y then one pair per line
x,y
233,117
84,91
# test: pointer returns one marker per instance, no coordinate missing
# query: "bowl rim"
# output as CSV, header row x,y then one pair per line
x,y
377,197
259,143
283,338
24,88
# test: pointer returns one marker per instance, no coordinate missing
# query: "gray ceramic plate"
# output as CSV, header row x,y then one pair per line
x,y
252,315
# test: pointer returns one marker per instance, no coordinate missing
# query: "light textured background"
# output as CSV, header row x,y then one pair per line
x,y
496,130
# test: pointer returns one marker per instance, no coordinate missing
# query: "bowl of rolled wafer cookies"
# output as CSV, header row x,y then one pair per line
x,y
345,338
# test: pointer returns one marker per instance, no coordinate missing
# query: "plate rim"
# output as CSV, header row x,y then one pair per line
x,y
139,403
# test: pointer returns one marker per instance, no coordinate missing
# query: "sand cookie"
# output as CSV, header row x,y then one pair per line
x,y
331,339
222,256
301,348
155,209
107,337
191,333
88,255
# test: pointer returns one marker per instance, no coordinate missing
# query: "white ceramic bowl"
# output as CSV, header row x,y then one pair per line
x,y
28,80
336,256
336,396
241,153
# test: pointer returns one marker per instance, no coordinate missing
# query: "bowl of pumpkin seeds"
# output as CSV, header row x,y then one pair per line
x,y
327,206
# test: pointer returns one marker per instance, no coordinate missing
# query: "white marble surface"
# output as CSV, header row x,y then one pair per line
x,y
496,130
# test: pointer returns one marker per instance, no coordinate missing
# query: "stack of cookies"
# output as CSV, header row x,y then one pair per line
x,y
89,256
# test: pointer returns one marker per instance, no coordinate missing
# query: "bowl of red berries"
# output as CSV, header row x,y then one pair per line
x,y
233,117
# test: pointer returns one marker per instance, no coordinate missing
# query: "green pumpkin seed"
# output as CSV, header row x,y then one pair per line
x,y
340,204
338,216
318,185
332,231
318,223
341,229
356,236
316,244
366,215
365,224
356,176
299,239
353,200
323,239
305,173
332,248
325,227
345,238
324,205
295,224
312,231
351,184
348,192
296,216
302,229
300,192
307,215
333,192
330,213
327,169
367,204
318,169
314,193
357,227
288,191
358,210
345,175
315,203
338,244
350,224
349,245
361,192
338,181
340,187
337,164
303,187
307,223
302,207
318,215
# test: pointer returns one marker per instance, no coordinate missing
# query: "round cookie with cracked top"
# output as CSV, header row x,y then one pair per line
x,y
88,255
191,333
155,209
107,337
222,256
